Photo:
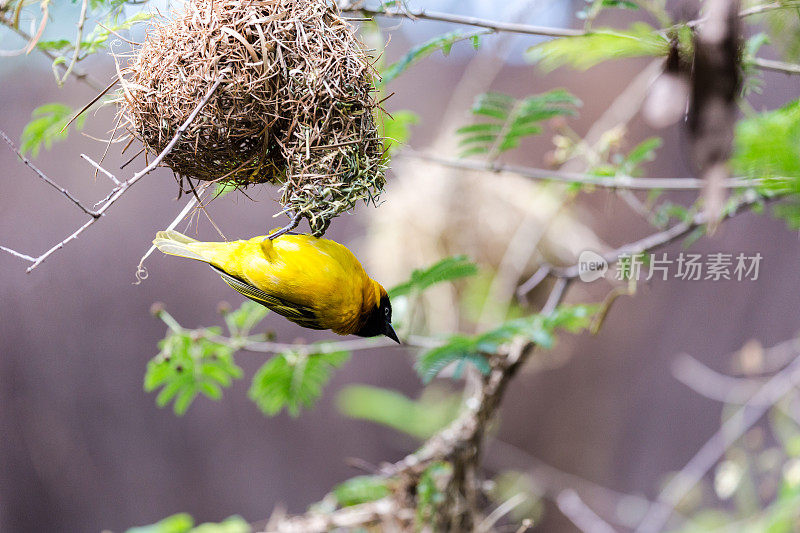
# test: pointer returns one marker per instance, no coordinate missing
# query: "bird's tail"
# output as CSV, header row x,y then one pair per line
x,y
173,243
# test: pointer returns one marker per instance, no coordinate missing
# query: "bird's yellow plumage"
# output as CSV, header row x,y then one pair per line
x,y
317,283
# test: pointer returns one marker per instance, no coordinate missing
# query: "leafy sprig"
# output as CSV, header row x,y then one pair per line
x,y
461,350
48,124
507,120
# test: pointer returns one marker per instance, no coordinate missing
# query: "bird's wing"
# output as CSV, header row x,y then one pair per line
x,y
299,314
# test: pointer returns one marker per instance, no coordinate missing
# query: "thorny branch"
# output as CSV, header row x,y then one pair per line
x,y
119,190
27,162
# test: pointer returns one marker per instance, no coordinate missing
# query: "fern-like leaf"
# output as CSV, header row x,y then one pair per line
x,y
585,51
506,120
293,381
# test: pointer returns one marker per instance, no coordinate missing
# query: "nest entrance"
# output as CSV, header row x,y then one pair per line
x,y
296,109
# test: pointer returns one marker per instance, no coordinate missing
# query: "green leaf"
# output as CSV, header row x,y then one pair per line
x,y
360,489
585,51
540,329
244,319
447,269
183,523
233,524
177,523
187,365
419,418
511,120
397,129
442,42
768,145
292,381
642,153
45,127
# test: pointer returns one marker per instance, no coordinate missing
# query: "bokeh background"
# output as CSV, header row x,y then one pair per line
x,y
84,448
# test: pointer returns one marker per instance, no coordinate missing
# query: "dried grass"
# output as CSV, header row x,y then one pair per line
x,y
297,107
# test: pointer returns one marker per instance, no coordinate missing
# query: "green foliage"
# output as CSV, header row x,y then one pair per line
x,y
419,418
767,145
540,329
585,51
360,489
443,42
293,380
188,365
98,38
447,269
784,31
508,120
595,7
751,74
430,492
396,129
184,523
241,321
47,126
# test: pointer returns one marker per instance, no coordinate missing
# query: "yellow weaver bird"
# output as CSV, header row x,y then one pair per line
x,y
316,283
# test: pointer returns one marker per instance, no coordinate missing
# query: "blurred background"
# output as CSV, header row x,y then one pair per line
x,y
84,448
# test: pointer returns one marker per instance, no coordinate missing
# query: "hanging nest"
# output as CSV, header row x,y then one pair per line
x,y
296,107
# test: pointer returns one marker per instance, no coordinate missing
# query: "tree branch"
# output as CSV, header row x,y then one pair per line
x,y
647,244
27,162
125,185
561,176
76,73
713,450
348,6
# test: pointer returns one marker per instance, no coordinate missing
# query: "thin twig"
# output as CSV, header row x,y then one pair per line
x,y
96,165
43,176
649,243
580,514
713,450
612,182
763,8
775,66
426,14
121,189
76,73
78,40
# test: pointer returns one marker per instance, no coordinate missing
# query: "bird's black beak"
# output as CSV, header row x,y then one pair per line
x,y
389,332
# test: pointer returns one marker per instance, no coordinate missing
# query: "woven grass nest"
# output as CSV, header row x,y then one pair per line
x,y
296,107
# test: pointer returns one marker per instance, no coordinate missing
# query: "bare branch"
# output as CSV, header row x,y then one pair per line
x,y
385,511
426,14
711,452
78,39
580,514
124,186
110,176
764,8
43,176
775,66
649,243
561,176
527,29
76,73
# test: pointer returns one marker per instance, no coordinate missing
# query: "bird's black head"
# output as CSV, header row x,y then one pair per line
x,y
379,321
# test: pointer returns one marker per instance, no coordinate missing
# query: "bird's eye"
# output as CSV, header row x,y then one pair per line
x,y
387,311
